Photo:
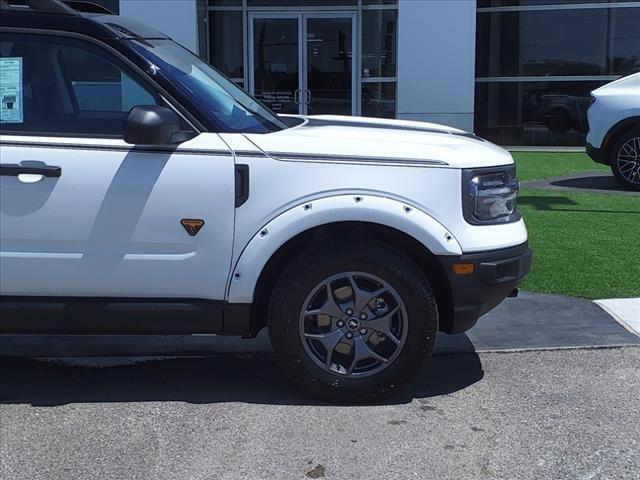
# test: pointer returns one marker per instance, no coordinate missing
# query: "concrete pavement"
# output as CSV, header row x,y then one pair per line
x,y
569,414
481,409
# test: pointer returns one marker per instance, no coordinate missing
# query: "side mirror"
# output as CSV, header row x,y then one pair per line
x,y
152,125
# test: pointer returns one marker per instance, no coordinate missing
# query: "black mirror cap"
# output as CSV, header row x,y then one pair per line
x,y
151,125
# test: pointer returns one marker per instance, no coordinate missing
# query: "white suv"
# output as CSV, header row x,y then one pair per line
x,y
143,192
614,129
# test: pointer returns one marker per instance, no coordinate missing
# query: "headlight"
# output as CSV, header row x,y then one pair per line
x,y
490,195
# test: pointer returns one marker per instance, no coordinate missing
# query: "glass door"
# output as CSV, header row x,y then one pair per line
x,y
275,59
329,75
303,63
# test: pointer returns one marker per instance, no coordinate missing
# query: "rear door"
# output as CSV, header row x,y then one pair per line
x,y
82,213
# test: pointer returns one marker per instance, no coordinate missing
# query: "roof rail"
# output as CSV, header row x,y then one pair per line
x,y
88,7
40,6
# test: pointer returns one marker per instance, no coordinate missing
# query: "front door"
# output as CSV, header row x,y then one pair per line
x,y
303,63
98,217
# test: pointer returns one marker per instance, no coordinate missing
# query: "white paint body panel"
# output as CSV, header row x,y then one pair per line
x,y
373,137
615,102
281,186
110,225
336,208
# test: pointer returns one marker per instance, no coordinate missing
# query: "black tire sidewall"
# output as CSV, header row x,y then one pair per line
x,y
314,266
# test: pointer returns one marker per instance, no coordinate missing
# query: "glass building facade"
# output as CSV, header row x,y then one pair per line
x,y
535,61
538,61
309,56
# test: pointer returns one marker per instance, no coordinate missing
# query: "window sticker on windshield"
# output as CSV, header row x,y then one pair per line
x,y
11,108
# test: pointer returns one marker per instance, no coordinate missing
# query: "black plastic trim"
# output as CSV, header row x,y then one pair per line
x,y
32,168
242,184
52,7
596,154
88,7
496,275
118,148
126,316
328,158
250,154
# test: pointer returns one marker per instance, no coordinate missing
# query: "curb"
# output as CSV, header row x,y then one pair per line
x,y
622,310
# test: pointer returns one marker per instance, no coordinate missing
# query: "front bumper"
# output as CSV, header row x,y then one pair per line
x,y
596,154
496,274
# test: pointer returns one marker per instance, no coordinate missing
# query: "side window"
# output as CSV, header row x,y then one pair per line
x,y
59,86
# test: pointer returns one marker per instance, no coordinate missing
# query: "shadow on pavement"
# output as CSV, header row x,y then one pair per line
x,y
591,182
222,378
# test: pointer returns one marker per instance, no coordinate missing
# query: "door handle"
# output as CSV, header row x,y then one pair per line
x,y
30,168
296,96
308,97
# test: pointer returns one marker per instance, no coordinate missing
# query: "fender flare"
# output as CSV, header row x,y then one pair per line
x,y
340,208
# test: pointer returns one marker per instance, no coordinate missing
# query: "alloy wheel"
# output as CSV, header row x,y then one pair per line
x,y
629,160
353,324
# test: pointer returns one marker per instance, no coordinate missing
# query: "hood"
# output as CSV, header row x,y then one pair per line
x,y
373,140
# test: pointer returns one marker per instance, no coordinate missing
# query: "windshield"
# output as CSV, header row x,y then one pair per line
x,y
230,107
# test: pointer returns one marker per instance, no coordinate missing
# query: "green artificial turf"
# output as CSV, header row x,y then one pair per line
x,y
585,245
539,165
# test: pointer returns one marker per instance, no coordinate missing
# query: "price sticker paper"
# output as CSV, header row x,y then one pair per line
x,y
11,98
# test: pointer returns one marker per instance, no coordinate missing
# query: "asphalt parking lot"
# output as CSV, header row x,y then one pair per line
x,y
480,409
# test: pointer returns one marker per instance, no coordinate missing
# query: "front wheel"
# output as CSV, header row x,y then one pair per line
x,y
625,160
351,322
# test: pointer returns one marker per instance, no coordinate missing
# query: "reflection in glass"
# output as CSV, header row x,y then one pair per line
x,y
379,99
379,43
600,41
547,42
537,3
624,41
275,50
225,3
533,113
329,65
225,42
301,3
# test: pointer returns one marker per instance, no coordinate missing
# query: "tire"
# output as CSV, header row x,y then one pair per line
x,y
624,158
558,121
401,303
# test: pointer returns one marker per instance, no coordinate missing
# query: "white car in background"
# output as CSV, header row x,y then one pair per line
x,y
614,129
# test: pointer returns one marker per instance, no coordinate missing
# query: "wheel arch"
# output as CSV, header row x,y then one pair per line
x,y
620,128
255,286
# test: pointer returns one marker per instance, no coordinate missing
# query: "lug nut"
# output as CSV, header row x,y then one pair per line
x,y
363,316
349,335
349,311
340,323
363,331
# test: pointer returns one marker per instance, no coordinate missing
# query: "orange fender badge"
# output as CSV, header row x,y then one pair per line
x,y
192,225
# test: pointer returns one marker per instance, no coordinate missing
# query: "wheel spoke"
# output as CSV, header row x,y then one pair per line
x,y
629,160
328,341
361,298
383,324
362,351
330,306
